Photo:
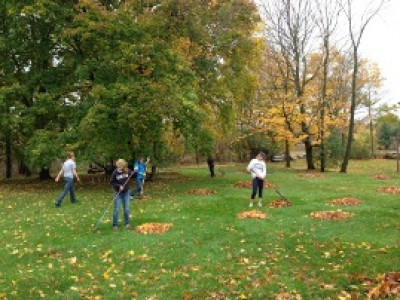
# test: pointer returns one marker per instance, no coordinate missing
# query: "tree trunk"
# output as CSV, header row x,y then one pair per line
x,y
347,152
45,173
8,155
287,154
153,164
23,169
309,155
371,129
324,104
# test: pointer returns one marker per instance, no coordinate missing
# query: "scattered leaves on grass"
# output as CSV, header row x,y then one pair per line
x,y
381,177
251,214
144,198
288,296
389,190
345,201
331,215
202,192
388,285
150,228
311,175
277,203
249,184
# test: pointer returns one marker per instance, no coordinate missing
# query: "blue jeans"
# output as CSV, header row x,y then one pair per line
x,y
124,198
139,187
69,187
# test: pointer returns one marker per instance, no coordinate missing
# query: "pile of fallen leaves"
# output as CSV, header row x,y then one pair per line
x,y
202,192
388,285
252,214
381,177
280,203
389,190
345,201
331,215
150,228
243,184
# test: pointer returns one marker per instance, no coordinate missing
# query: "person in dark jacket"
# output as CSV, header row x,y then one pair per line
x,y
210,162
120,181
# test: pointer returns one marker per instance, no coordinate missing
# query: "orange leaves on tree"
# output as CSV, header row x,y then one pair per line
x,y
151,228
252,214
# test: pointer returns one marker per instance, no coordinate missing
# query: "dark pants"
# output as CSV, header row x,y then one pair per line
x,y
258,184
211,167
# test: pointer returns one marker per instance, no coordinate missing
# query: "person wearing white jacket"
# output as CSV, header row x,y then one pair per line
x,y
258,170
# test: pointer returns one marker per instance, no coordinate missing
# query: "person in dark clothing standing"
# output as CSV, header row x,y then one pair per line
x,y
210,162
120,181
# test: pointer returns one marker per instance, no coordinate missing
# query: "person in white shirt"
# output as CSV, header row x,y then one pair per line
x,y
258,170
68,169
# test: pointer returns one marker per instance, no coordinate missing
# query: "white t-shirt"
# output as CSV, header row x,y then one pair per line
x,y
68,167
258,168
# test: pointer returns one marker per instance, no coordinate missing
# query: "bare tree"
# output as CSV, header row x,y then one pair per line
x,y
356,32
326,20
291,32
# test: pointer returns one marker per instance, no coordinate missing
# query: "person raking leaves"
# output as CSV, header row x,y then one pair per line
x,y
258,170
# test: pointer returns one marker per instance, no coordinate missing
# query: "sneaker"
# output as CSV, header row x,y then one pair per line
x,y
115,228
128,226
57,205
259,204
75,201
251,205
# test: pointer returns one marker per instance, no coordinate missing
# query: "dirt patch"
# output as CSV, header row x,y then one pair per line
x,y
280,203
381,177
251,214
202,192
249,184
345,201
331,215
153,228
389,190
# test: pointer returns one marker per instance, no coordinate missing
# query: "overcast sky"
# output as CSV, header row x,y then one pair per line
x,y
380,43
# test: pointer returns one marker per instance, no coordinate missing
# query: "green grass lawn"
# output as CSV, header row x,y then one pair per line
x,y
208,253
